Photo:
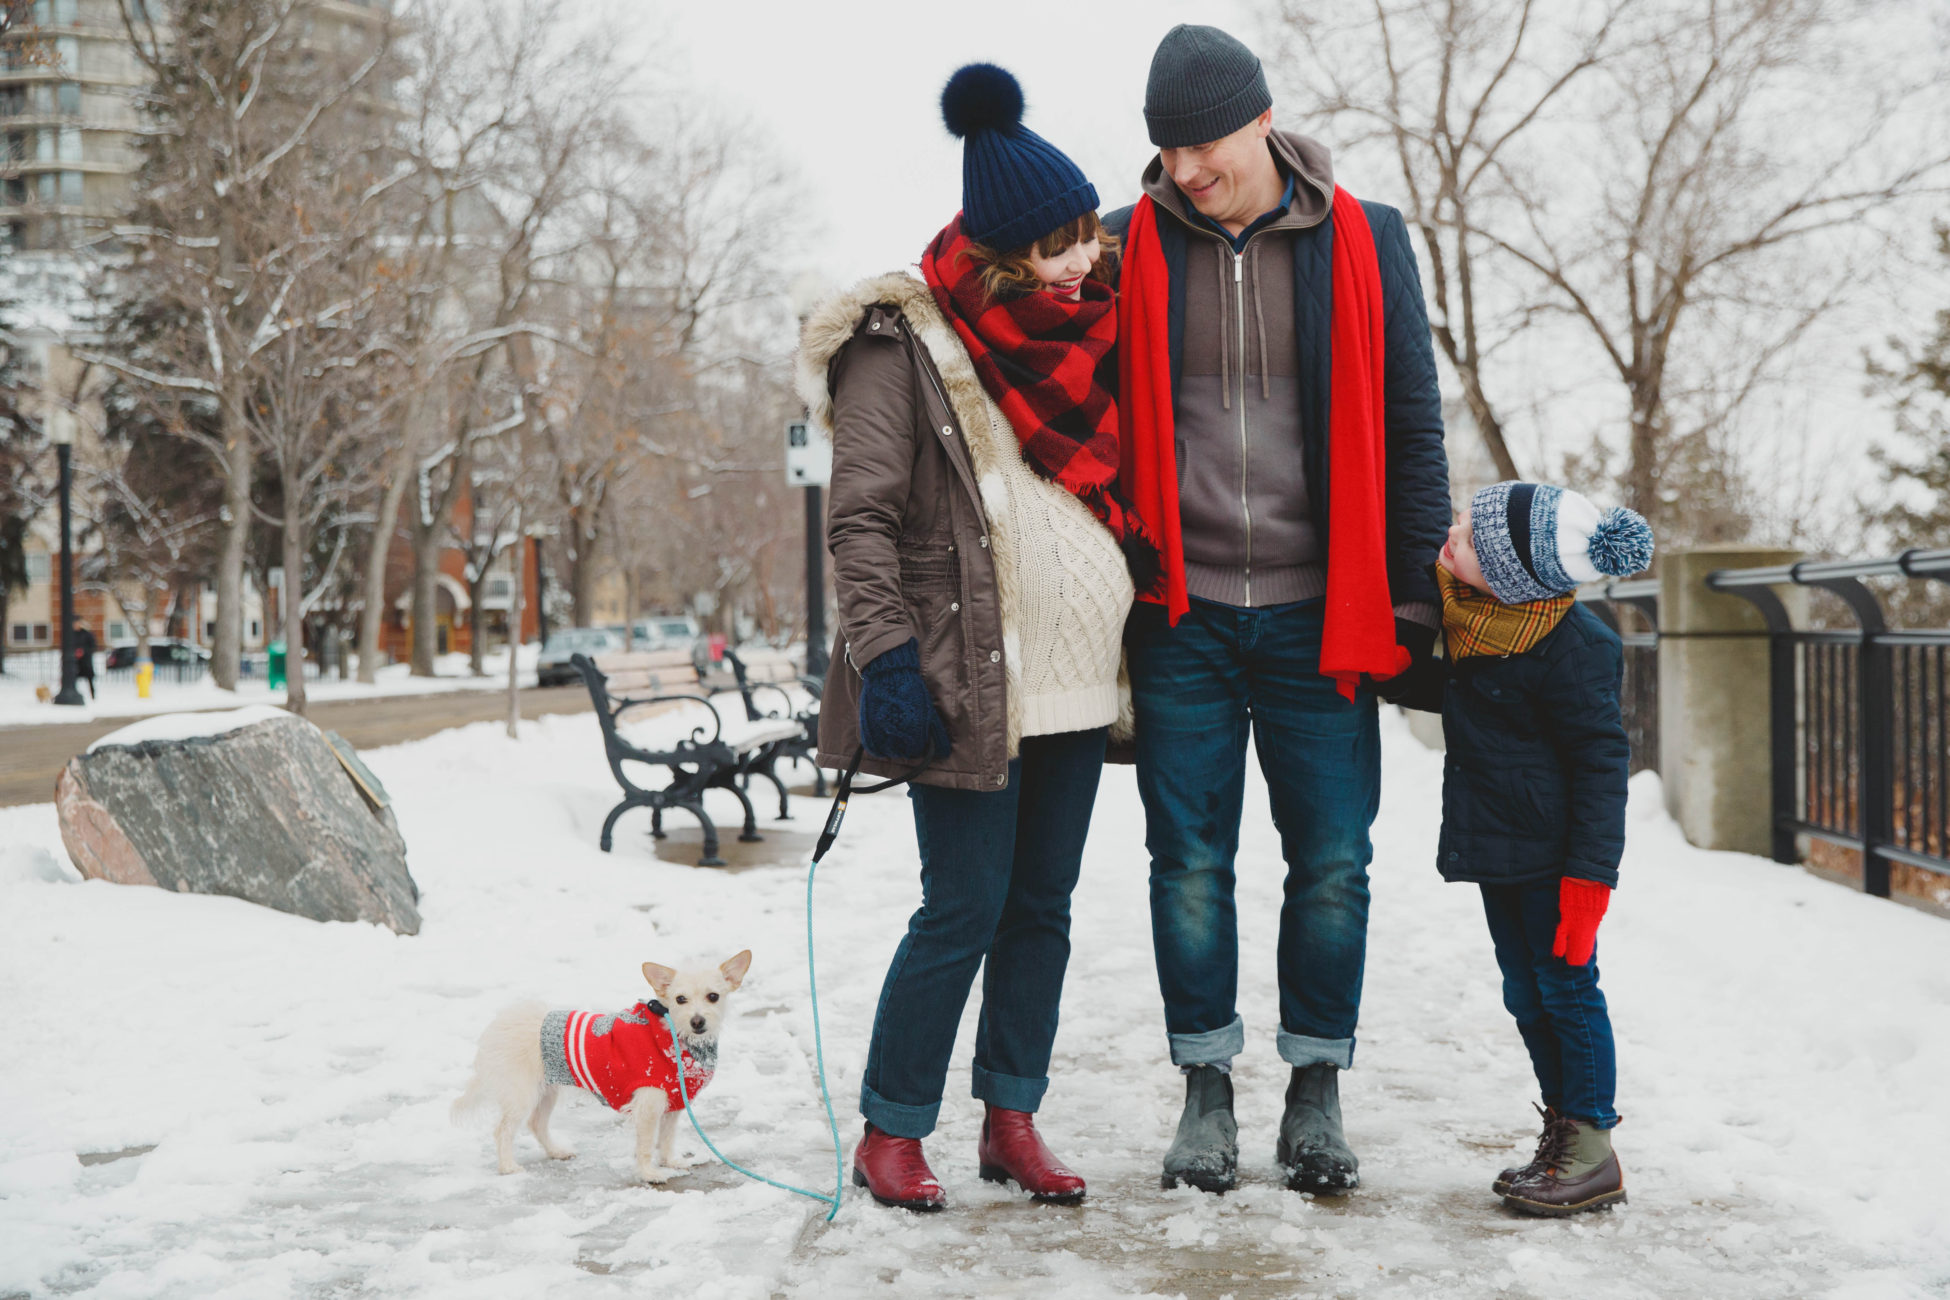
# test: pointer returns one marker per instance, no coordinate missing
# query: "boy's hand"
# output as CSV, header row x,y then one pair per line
x,y
1580,906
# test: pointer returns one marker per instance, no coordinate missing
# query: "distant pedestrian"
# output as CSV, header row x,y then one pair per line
x,y
85,645
984,559
1533,798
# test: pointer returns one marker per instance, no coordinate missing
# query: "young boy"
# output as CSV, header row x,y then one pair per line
x,y
1533,799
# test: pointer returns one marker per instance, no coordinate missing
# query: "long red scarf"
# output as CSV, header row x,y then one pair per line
x,y
1360,632
1049,364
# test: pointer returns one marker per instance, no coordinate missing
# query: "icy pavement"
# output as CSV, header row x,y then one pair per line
x,y
200,1098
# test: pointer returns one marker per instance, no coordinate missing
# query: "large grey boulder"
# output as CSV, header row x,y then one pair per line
x,y
255,803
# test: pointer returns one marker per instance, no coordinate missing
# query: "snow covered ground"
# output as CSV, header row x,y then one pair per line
x,y
117,698
204,1098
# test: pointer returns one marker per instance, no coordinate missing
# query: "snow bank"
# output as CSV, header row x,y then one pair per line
x,y
189,726
1783,1045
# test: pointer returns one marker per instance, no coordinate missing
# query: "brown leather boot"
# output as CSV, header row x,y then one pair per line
x,y
1575,1170
1503,1180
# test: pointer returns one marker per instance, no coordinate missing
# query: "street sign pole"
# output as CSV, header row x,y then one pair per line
x,y
809,465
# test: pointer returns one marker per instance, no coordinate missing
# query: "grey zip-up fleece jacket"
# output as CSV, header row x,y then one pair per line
x,y
1247,385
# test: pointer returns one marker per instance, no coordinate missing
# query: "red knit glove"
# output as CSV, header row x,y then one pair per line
x,y
1580,906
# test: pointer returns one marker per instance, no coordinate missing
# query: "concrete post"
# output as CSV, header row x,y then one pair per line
x,y
1714,741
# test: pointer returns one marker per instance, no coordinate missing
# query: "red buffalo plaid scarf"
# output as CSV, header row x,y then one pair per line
x,y
1360,633
1051,366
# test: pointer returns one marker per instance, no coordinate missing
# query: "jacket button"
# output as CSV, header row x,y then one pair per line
x,y
875,325
954,607
947,431
1454,856
985,543
995,656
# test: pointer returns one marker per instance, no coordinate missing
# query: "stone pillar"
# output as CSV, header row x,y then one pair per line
x,y
1715,749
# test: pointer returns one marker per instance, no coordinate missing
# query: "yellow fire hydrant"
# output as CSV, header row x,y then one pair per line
x,y
145,672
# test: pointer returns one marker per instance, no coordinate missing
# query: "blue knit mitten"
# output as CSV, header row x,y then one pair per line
x,y
897,719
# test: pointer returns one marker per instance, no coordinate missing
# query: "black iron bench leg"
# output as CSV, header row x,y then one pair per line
x,y
657,823
609,825
750,834
771,773
710,858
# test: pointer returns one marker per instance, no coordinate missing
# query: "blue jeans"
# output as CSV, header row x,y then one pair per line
x,y
997,870
1197,687
1559,1008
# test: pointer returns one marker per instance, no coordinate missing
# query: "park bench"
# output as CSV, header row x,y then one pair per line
x,y
763,669
698,762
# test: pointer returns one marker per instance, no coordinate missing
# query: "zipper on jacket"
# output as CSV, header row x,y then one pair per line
x,y
1245,505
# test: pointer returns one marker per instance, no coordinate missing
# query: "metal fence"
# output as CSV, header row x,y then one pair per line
x,y
1860,718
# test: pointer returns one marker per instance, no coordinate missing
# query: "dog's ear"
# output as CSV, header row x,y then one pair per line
x,y
734,970
659,976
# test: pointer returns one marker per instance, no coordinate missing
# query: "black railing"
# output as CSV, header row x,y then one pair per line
x,y
1640,696
1860,718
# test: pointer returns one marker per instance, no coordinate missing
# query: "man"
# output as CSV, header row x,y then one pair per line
x,y
1284,436
85,646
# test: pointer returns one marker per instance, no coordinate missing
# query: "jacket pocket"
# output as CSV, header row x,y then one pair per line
x,y
931,588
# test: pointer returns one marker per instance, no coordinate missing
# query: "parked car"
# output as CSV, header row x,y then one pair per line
x,y
552,666
162,650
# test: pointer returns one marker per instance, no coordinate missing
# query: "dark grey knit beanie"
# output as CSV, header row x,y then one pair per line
x,y
1204,85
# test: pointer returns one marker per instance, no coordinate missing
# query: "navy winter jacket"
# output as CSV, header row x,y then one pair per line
x,y
1533,781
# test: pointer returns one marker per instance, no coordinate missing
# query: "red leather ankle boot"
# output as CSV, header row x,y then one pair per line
x,y
894,1172
1012,1150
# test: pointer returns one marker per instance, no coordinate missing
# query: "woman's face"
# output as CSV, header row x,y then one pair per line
x,y
1063,274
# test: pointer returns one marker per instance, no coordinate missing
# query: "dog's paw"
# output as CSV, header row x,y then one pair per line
x,y
681,1161
560,1153
653,1173
508,1167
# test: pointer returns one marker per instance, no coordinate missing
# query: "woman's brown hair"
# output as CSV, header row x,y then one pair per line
x,y
1010,275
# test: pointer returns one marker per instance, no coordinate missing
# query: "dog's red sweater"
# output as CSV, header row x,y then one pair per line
x,y
614,1055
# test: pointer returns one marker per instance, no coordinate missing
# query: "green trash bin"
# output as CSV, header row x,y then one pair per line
x,y
274,673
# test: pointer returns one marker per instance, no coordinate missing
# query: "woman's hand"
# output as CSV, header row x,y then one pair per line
x,y
897,718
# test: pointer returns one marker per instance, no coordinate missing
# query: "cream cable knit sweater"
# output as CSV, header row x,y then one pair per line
x,y
1072,592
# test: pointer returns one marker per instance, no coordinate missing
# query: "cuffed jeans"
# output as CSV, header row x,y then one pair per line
x,y
997,870
1197,688
1559,1008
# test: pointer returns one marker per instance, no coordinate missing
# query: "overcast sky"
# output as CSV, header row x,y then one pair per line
x,y
851,94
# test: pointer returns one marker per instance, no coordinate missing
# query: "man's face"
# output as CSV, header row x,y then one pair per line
x,y
1226,179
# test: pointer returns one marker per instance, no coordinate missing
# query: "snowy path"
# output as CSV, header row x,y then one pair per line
x,y
1784,1049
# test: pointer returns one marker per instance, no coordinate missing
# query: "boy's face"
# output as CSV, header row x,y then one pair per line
x,y
1459,555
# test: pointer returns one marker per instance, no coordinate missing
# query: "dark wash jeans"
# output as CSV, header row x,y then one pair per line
x,y
1197,688
997,870
1559,1008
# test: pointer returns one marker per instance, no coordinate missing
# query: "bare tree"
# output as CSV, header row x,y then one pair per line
x,y
1690,187
1462,85
240,102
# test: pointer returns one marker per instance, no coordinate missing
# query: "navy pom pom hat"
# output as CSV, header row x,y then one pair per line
x,y
1535,541
1016,186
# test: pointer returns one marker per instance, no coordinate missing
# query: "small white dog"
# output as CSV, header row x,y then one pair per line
x,y
528,1053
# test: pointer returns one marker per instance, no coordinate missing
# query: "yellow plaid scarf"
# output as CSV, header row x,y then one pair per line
x,y
1478,624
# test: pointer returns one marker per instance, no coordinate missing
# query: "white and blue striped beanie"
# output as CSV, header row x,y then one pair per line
x,y
1535,541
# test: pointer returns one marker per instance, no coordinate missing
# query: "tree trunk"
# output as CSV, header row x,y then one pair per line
x,y
142,626
1487,425
582,573
5,601
227,656
294,597
514,634
372,614
426,571
476,640
1642,470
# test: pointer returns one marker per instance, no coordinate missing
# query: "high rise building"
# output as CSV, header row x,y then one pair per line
x,y
68,84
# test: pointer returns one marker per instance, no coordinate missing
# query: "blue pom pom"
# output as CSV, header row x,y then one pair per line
x,y
981,97
1621,545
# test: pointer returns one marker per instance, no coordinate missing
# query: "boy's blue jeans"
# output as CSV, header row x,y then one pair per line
x,y
1197,687
1559,1008
997,870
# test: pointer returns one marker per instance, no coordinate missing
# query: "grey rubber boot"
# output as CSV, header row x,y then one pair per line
x,y
1205,1152
1312,1151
